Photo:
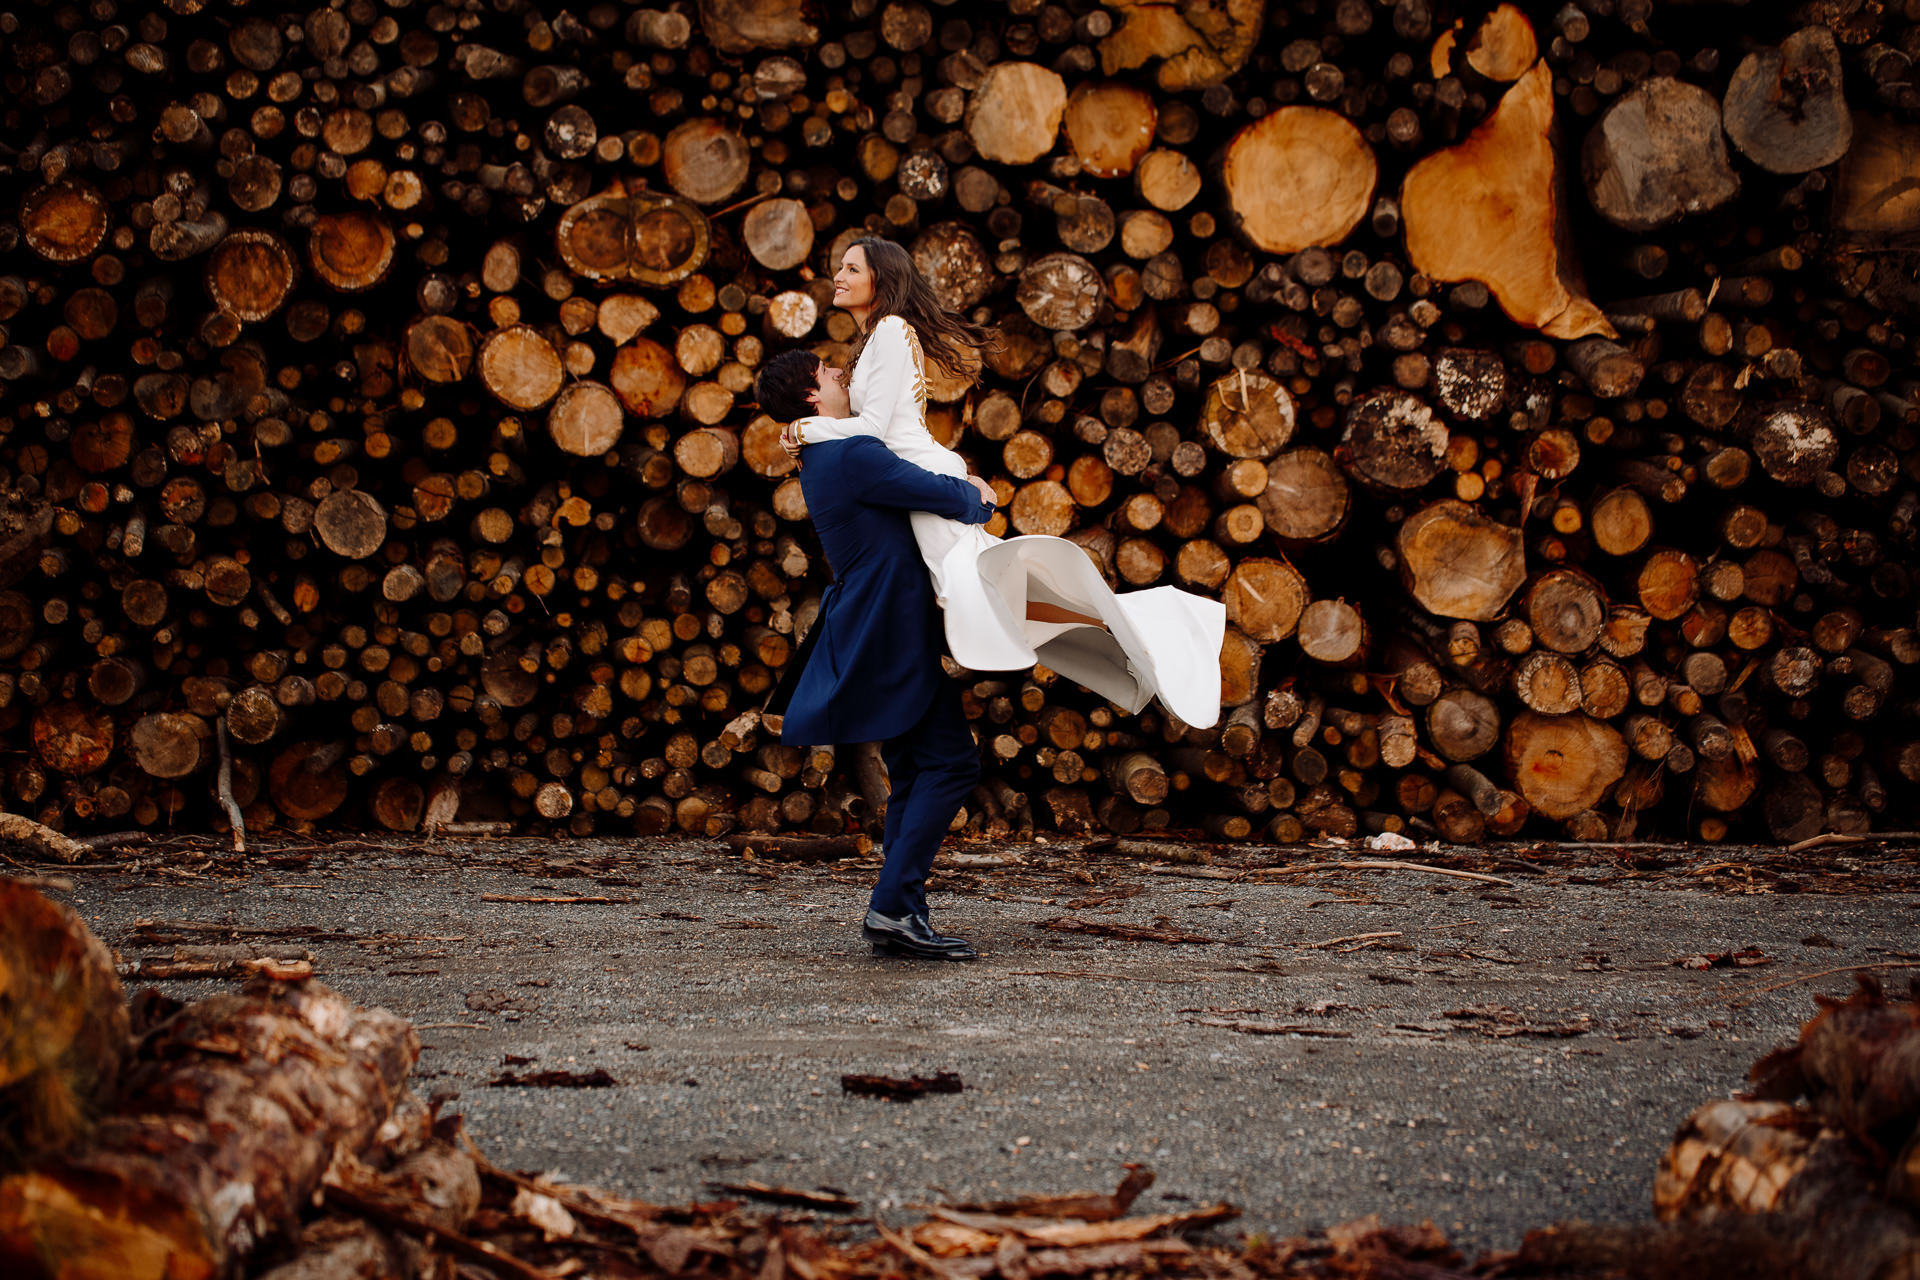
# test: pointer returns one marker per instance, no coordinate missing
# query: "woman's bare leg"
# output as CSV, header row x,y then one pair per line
x,y
1041,612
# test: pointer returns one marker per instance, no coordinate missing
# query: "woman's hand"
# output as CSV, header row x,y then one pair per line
x,y
790,440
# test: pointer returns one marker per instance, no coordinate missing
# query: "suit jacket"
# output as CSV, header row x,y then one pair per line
x,y
871,664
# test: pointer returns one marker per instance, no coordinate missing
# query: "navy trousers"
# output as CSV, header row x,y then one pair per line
x,y
930,769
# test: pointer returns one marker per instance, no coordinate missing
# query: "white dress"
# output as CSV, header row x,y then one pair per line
x,y
1161,642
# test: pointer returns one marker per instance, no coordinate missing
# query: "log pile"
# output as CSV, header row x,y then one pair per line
x,y
1531,381
1815,1173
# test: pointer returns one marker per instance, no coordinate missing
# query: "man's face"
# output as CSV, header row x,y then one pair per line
x,y
829,394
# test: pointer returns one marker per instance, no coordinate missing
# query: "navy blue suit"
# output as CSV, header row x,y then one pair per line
x,y
872,660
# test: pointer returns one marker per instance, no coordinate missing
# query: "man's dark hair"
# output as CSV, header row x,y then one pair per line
x,y
783,385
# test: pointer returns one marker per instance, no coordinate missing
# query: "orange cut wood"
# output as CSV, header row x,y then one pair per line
x,y
1110,126
440,348
778,233
749,26
1460,562
1265,598
250,273
1564,764
1197,44
351,250
705,160
585,419
64,221
520,367
1298,177
1014,116
1504,46
649,238
1488,210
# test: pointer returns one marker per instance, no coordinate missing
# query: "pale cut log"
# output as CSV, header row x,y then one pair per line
x,y
351,250
647,378
1307,498
952,258
440,348
170,744
1248,414
1564,764
1015,114
707,452
1657,155
65,1031
1061,291
705,160
748,26
649,238
792,314
1197,47
621,316
351,523
1110,126
1786,107
1460,563
1488,210
250,273
228,1119
1463,724
1547,682
520,367
1333,632
1299,177
585,420
1393,441
1167,179
64,221
706,403
1042,506
1503,46
1264,597
778,233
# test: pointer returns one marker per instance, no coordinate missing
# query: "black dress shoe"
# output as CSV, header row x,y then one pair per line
x,y
911,935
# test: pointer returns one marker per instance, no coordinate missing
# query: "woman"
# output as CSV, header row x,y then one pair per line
x,y
1012,603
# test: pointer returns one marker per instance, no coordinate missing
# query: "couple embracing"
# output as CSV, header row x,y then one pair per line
x,y
916,575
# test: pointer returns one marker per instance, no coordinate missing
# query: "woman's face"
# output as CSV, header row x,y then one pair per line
x,y
853,283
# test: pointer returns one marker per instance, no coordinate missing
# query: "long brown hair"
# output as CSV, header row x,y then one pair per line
x,y
900,290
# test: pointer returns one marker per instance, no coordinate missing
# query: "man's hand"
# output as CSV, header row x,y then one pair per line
x,y
987,494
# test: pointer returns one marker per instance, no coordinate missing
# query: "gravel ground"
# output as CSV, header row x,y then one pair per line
x,y
726,997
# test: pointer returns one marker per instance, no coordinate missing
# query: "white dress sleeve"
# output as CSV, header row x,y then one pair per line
x,y
889,370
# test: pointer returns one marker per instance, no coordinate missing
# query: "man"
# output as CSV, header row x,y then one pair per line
x,y
870,667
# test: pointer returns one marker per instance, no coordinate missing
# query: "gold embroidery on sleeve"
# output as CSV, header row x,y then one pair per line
x,y
919,369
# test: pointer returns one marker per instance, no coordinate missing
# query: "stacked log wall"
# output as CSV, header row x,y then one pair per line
x,y
377,435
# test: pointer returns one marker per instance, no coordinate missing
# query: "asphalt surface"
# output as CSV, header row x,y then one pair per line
x,y
727,997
